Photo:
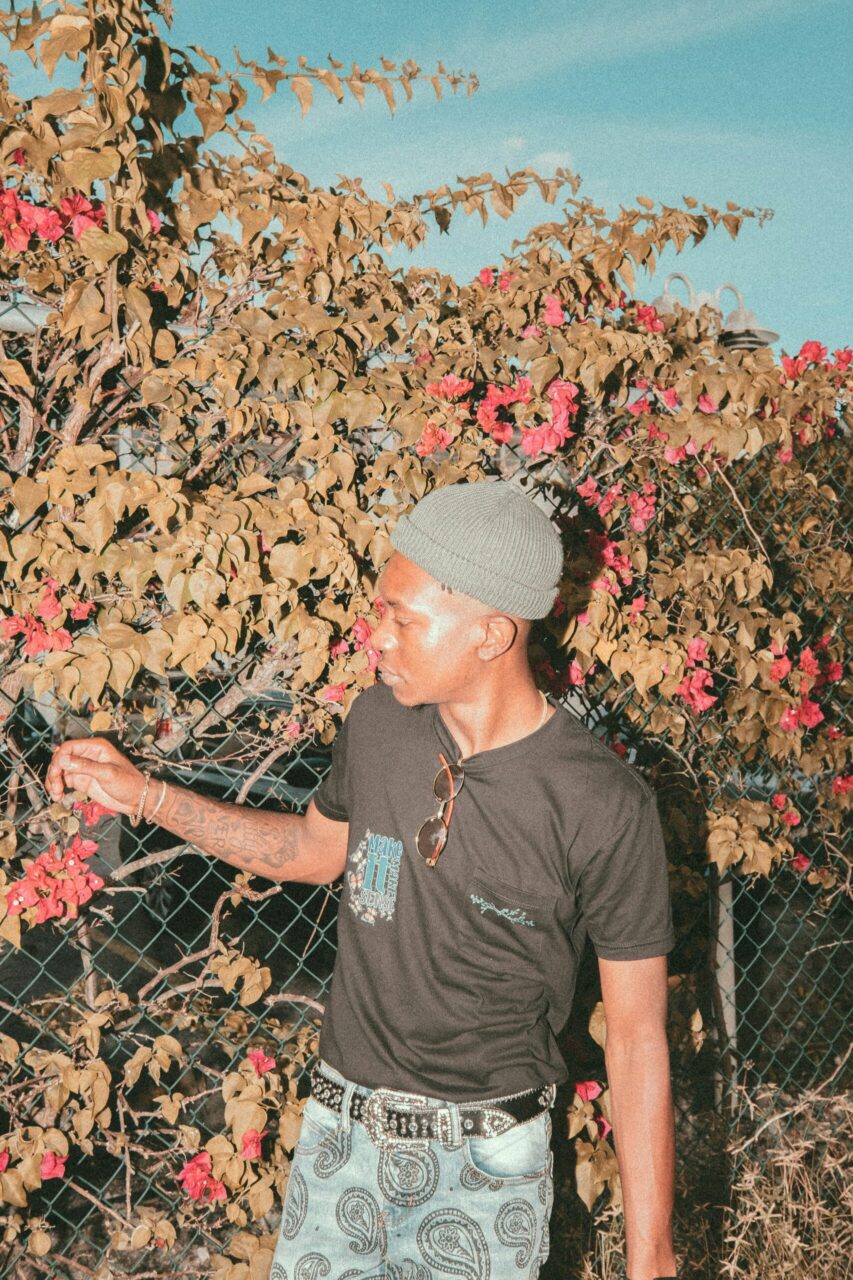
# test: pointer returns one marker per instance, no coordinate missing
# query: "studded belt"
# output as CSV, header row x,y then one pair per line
x,y
392,1118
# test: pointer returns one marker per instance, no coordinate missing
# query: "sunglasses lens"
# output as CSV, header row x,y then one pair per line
x,y
448,783
431,838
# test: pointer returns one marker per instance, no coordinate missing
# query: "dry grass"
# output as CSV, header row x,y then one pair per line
x,y
792,1207
789,1215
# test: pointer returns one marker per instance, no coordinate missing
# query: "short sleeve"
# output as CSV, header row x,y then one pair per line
x,y
332,795
624,891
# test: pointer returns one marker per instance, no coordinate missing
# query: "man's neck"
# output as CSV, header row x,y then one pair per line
x,y
495,717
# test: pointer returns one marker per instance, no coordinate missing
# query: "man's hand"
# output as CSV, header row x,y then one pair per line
x,y
98,769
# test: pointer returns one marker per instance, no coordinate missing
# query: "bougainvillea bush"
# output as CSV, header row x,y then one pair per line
x,y
224,403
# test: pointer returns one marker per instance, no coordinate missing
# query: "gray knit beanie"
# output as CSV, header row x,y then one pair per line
x,y
488,540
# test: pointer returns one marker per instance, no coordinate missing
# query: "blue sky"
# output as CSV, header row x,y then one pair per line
x,y
744,100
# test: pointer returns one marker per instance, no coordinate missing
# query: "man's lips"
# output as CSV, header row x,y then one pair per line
x,y
389,675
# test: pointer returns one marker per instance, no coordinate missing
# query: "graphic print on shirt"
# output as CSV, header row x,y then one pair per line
x,y
373,875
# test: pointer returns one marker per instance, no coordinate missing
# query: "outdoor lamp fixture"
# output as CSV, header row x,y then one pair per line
x,y
740,330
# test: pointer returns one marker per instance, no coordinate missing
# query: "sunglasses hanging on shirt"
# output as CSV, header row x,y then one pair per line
x,y
432,835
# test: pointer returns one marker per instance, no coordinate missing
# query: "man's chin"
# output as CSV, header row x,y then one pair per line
x,y
401,691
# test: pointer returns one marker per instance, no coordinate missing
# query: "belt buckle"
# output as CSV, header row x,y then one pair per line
x,y
374,1119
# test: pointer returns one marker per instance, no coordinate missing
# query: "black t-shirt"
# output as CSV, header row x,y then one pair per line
x,y
453,981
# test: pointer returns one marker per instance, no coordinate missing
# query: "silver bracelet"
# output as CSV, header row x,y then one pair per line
x,y
159,802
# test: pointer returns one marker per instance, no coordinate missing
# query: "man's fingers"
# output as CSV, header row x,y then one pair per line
x,y
85,749
80,764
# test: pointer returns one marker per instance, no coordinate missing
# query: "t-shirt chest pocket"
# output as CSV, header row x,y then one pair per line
x,y
505,922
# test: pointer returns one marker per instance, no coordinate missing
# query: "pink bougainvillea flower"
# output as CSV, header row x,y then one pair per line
x,y
361,633
791,818
81,610
809,713
81,214
643,507
813,352
196,1179
48,225
789,720
19,156
543,439
588,490
583,618
16,238
779,801
843,357
653,432
562,396
449,388
604,1126
505,279
648,319
333,693
293,730
706,405
20,896
610,499
833,731
80,847
486,276
785,454
48,606
618,747
4,1161
531,331
92,812
638,606
697,651
808,662
842,784
669,395
693,689
49,907
52,1166
261,1061
154,220
577,676
426,357
800,862
338,649
587,1090
553,314
643,405
252,1144
792,368
432,439
779,670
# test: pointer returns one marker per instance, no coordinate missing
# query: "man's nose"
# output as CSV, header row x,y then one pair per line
x,y
381,638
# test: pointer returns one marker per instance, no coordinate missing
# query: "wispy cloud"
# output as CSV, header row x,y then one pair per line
x,y
600,34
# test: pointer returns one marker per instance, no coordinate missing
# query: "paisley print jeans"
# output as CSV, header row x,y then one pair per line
x,y
475,1208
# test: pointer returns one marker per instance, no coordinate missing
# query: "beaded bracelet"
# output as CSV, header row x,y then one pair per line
x,y
136,818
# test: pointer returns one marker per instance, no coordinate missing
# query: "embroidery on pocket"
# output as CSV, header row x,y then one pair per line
x,y
515,915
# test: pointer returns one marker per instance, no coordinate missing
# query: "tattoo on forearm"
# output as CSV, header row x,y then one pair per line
x,y
254,840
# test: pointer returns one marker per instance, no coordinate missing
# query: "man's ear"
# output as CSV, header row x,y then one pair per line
x,y
500,633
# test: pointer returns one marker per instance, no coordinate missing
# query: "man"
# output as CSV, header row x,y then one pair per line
x,y
482,833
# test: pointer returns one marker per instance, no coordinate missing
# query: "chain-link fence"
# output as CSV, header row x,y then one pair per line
x,y
762,964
